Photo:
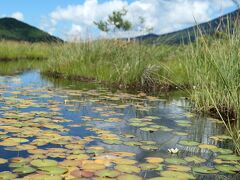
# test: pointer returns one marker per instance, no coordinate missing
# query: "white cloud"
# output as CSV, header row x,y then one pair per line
x,y
17,15
163,15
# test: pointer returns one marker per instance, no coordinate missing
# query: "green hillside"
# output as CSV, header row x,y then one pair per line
x,y
12,29
224,23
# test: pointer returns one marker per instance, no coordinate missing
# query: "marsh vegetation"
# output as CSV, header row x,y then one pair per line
x,y
207,70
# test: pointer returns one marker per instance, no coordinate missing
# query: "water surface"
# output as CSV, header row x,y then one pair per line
x,y
93,132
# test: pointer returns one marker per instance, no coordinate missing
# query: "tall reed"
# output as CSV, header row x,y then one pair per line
x,y
213,67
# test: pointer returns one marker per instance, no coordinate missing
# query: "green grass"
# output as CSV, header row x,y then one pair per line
x,y
113,62
10,50
213,69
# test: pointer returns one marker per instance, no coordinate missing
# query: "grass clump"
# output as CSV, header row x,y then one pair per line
x,y
116,62
213,69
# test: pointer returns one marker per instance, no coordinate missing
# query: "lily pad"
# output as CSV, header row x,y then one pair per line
x,y
229,157
127,168
148,166
205,170
43,177
54,170
195,159
129,177
24,170
179,168
6,175
154,160
107,173
207,146
222,151
227,169
43,163
93,167
175,161
188,143
176,175
3,161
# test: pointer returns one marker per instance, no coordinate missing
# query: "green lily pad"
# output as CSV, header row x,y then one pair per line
x,y
54,170
227,169
127,168
222,151
229,157
175,161
129,177
107,173
44,177
195,159
205,170
178,168
44,163
176,175
148,166
24,170
188,143
6,175
207,146
19,140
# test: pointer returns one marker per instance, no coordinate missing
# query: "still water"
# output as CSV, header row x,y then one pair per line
x,y
53,129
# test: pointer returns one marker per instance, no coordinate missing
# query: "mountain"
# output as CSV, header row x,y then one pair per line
x,y
220,24
12,29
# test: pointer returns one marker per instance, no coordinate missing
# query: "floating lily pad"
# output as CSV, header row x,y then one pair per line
x,y
79,173
195,159
148,166
93,167
54,170
19,140
6,175
227,169
207,146
175,161
127,168
178,168
177,175
124,161
154,160
3,161
24,170
220,137
43,163
229,157
149,147
205,170
220,161
43,177
129,177
222,151
188,143
107,173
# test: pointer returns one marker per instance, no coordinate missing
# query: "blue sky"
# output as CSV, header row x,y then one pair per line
x,y
73,19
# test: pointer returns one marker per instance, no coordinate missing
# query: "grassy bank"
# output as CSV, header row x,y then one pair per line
x,y
10,50
127,65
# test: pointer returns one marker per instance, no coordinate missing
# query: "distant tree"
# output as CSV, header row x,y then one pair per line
x,y
115,22
141,27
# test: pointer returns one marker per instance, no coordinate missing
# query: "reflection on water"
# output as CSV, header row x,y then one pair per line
x,y
116,121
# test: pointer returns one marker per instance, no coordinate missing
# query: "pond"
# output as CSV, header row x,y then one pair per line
x,y
53,129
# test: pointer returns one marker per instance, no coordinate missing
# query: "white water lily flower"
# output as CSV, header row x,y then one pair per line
x,y
173,151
